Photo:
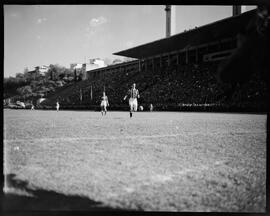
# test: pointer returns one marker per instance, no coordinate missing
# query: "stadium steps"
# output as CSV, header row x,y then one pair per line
x,y
64,92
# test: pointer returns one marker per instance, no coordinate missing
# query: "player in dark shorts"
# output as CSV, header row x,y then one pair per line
x,y
133,94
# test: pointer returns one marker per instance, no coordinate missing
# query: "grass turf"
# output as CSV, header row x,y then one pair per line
x,y
160,161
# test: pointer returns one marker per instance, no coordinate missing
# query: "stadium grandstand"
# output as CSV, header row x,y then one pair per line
x,y
179,72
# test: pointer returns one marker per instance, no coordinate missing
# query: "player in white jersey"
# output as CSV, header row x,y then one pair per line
x,y
133,94
32,106
104,103
57,106
151,107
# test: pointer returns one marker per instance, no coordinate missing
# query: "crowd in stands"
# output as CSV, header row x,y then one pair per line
x,y
171,86
184,84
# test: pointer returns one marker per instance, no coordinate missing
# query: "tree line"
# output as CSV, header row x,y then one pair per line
x,y
33,84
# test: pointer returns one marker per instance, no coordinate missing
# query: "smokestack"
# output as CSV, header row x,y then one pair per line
x,y
236,10
168,20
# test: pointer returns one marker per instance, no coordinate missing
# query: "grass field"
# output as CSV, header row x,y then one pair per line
x,y
160,161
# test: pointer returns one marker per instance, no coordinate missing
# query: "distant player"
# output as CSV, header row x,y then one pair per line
x,y
151,107
104,104
32,107
57,106
133,94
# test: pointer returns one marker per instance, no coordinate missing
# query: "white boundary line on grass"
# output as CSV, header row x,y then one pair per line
x,y
184,134
94,138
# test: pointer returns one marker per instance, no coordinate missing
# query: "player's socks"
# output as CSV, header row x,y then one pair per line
x,y
130,114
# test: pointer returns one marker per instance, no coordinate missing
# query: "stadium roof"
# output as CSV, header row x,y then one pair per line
x,y
224,28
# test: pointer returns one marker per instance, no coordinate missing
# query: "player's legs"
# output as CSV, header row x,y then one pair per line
x,y
105,109
101,109
130,107
130,112
135,105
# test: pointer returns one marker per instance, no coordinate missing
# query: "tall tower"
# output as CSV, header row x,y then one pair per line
x,y
168,20
236,10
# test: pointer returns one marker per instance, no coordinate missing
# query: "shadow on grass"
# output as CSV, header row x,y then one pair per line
x,y
46,200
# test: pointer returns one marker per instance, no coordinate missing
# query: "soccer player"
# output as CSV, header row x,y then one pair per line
x,y
133,94
151,107
104,103
57,106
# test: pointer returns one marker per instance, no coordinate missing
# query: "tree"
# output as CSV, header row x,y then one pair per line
x,y
34,84
57,72
52,71
68,72
61,76
19,75
25,91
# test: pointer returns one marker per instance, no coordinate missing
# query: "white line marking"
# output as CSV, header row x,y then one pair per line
x,y
162,178
129,189
184,171
183,134
94,138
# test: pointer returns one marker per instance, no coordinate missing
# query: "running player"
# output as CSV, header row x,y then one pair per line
x,y
104,103
133,94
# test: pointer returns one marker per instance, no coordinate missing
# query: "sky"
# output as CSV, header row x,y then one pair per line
x,y
36,35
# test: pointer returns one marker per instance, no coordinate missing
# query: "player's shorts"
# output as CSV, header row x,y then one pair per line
x,y
133,103
104,104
